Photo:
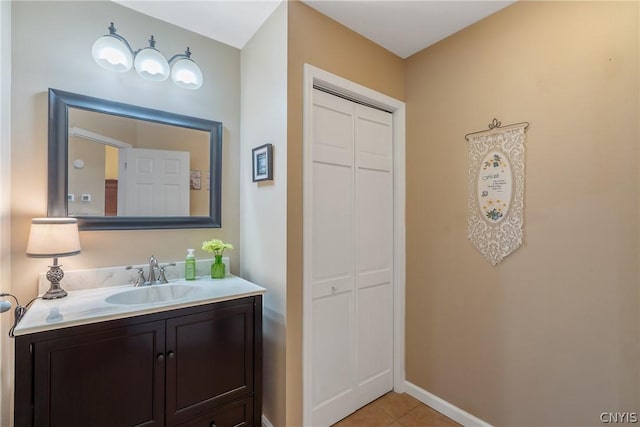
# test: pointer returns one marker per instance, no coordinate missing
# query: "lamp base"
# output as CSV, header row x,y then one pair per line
x,y
54,293
54,275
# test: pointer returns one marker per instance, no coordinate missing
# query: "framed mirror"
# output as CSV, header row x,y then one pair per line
x,y
117,166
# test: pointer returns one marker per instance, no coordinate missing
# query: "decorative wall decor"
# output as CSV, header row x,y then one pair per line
x,y
262,163
194,180
496,189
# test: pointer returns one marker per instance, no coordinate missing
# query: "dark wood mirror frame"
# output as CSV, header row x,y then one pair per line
x,y
59,104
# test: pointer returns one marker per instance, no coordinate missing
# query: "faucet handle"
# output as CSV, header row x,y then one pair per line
x,y
162,278
140,280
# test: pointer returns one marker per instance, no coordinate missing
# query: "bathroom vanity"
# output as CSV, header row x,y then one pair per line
x,y
188,354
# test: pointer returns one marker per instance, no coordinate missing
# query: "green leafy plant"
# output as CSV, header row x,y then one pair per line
x,y
216,246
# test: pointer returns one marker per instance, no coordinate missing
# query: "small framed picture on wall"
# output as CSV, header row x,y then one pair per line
x,y
263,163
194,180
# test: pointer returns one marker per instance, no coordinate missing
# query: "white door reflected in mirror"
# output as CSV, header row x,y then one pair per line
x,y
153,182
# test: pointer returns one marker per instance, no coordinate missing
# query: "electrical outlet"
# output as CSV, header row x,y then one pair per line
x,y
85,197
71,197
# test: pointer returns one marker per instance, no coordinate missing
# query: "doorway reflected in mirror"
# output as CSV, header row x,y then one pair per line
x,y
134,167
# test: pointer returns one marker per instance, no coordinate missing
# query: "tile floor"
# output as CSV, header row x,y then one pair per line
x,y
396,410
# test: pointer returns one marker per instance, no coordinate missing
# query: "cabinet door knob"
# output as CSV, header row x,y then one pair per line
x,y
212,424
160,357
171,355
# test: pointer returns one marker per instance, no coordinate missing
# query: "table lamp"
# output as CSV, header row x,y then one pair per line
x,y
53,238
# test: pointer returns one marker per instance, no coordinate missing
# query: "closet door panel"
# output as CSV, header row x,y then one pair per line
x,y
332,222
374,252
374,213
334,378
332,130
374,239
333,257
374,342
373,142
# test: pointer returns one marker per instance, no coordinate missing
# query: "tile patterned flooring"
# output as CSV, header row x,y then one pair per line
x,y
396,410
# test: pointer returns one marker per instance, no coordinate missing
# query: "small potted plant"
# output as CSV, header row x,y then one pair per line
x,y
216,247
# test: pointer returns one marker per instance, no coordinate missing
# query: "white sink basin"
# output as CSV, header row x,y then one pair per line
x,y
152,294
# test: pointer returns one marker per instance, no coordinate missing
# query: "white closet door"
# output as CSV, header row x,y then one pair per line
x,y
332,275
374,249
351,253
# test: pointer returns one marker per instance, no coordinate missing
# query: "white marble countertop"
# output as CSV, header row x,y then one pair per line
x,y
83,307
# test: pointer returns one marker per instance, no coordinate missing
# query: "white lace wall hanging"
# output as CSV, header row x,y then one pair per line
x,y
496,189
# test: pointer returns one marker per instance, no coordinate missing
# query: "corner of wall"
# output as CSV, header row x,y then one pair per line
x,y
263,215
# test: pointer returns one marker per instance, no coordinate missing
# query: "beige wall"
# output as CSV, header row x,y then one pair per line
x,y
51,44
550,335
122,129
100,161
322,42
110,162
87,180
264,205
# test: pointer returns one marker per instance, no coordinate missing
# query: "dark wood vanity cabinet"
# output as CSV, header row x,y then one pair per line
x,y
197,366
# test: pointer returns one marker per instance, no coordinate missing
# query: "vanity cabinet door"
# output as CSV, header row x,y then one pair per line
x,y
210,360
107,378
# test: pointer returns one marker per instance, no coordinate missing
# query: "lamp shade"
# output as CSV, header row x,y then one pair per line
x,y
112,53
151,65
186,74
53,237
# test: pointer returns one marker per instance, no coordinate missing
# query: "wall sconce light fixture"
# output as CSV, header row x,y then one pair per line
x,y
113,52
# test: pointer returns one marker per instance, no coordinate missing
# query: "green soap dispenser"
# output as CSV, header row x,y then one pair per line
x,y
190,266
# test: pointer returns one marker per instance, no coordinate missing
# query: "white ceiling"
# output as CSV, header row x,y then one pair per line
x,y
401,26
406,27
231,22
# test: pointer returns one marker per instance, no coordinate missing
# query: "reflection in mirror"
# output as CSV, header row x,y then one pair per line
x,y
119,166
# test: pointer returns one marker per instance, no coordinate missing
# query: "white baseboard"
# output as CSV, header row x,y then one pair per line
x,y
456,414
266,422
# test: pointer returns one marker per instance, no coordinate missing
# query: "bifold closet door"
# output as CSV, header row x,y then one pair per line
x,y
351,257
374,252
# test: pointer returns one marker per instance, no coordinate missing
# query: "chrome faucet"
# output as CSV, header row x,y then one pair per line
x,y
151,278
153,264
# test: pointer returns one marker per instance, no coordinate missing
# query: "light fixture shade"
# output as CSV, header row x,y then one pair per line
x,y
151,65
111,53
186,74
53,237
